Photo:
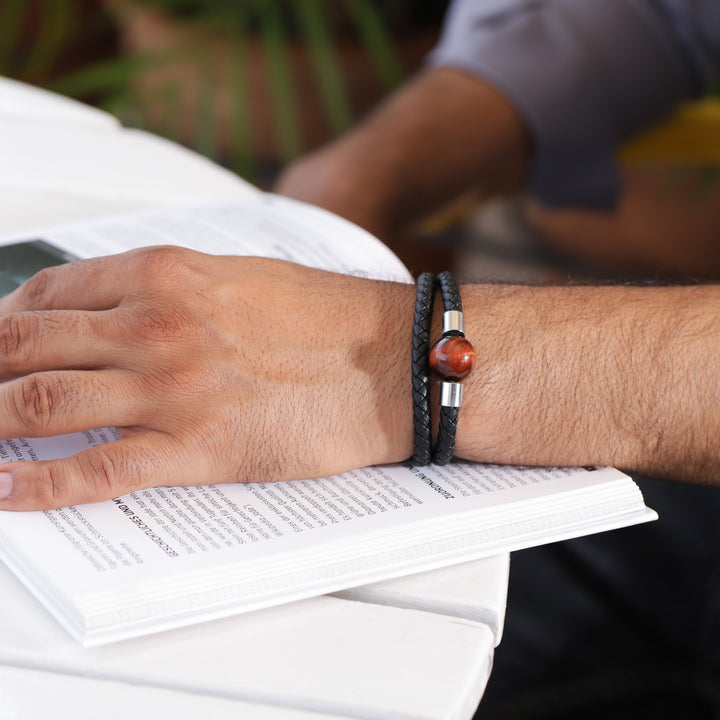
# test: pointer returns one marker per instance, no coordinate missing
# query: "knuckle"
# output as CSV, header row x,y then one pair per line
x,y
37,399
101,472
19,335
164,263
37,290
51,487
166,318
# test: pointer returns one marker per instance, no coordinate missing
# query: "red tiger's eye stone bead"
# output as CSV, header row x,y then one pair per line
x,y
452,358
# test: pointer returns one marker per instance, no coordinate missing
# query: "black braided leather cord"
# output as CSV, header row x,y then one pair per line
x,y
422,440
450,291
447,429
446,435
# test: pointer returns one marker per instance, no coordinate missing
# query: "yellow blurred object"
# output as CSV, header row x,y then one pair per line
x,y
690,137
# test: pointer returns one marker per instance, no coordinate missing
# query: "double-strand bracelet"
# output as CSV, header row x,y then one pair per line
x,y
452,358
422,446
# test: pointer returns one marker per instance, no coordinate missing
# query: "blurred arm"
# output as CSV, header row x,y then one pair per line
x,y
519,93
443,132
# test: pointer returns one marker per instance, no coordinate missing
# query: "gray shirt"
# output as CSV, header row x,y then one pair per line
x,y
585,75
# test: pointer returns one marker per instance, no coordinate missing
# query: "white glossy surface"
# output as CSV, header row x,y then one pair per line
x,y
475,590
323,654
25,694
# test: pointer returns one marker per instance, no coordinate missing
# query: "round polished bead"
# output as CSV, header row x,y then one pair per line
x,y
452,358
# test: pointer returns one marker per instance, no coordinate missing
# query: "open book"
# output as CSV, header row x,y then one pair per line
x,y
167,557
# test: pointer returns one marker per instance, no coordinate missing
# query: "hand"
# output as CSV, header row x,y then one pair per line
x,y
213,369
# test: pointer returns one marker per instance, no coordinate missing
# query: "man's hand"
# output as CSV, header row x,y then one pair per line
x,y
213,369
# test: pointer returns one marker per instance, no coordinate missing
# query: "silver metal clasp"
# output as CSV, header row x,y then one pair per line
x,y
453,320
451,394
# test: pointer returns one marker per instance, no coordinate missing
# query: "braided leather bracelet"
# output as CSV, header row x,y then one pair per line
x,y
422,449
452,358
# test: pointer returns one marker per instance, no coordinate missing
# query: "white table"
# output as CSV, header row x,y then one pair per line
x,y
419,647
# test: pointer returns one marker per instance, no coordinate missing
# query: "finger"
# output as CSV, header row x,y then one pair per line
x,y
81,285
148,459
58,402
102,283
57,339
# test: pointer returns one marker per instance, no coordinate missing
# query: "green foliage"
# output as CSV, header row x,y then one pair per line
x,y
40,43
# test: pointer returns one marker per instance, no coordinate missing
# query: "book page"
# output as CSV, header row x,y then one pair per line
x,y
132,165
260,224
27,102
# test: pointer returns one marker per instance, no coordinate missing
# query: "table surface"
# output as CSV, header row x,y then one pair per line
x,y
417,647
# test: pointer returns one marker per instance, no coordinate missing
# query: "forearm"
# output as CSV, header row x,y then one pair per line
x,y
441,134
620,376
